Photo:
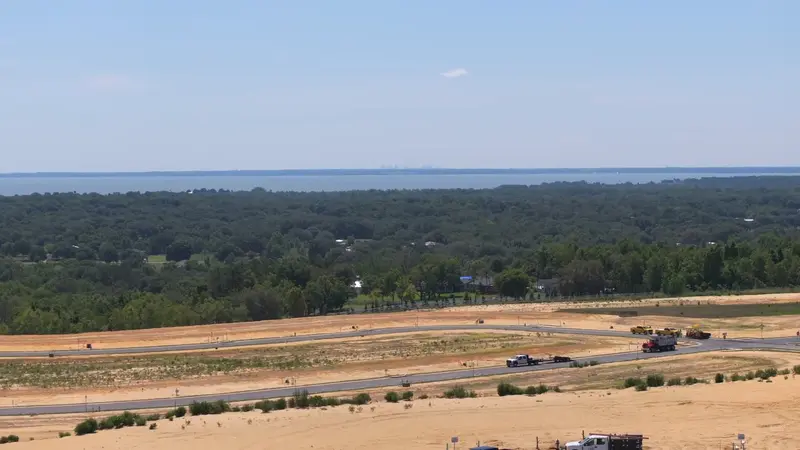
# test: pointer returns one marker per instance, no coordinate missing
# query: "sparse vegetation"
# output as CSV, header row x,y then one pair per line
x,y
674,382
88,426
407,396
504,389
9,439
655,380
460,392
392,397
719,378
63,434
641,387
205,408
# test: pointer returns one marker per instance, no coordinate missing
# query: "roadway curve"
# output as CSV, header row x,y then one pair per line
x,y
709,345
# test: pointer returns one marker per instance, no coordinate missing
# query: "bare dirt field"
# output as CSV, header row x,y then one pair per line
x,y
687,417
75,380
538,313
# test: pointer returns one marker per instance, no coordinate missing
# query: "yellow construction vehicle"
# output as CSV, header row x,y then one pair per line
x,y
640,329
669,332
696,333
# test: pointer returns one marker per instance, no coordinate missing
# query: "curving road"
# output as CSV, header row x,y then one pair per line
x,y
791,343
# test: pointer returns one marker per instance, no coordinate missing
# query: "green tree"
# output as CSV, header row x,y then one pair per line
x,y
512,283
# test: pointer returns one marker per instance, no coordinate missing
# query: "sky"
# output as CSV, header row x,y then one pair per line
x,y
140,85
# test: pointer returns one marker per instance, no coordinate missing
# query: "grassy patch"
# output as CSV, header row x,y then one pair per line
x,y
693,310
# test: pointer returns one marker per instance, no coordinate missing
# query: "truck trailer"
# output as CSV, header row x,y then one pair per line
x,y
528,360
658,343
601,441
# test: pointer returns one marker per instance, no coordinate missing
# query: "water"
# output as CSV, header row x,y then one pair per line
x,y
122,183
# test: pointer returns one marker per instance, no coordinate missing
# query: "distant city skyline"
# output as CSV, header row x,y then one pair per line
x,y
138,86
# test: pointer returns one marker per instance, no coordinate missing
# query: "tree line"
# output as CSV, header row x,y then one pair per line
x,y
74,263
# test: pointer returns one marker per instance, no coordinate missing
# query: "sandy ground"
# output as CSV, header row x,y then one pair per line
x,y
694,417
495,355
539,313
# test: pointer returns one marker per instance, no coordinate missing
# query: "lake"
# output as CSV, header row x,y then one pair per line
x,y
31,183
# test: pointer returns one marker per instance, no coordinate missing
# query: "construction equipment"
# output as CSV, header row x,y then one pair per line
x,y
602,441
639,329
528,360
669,332
658,343
696,333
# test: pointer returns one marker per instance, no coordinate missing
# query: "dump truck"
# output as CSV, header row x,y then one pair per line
x,y
669,332
528,360
697,333
602,441
639,329
658,343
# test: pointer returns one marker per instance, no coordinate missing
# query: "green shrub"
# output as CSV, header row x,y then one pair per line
x,y
459,392
594,363
556,389
633,382
392,397
690,381
750,375
153,426
530,390
784,372
542,389
766,374
265,405
153,417
280,404
300,399
88,426
140,421
247,407
362,399
236,408
674,382
796,369
205,408
407,396
737,377
8,439
423,397
641,387
655,380
719,378
63,434
505,388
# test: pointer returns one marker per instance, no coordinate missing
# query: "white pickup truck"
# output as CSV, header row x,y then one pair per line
x,y
597,441
521,360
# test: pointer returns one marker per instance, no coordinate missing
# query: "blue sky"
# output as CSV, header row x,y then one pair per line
x,y
138,85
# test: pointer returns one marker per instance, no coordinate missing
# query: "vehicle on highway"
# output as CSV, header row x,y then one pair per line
x,y
697,333
658,343
669,332
601,441
639,329
527,360
522,360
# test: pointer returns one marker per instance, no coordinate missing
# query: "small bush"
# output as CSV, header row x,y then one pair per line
x,y
393,397
505,388
655,380
300,399
280,404
423,397
362,399
63,434
265,405
407,396
594,363
180,411
88,426
674,382
641,387
247,408
140,421
236,408
796,369
459,392
205,408
766,374
542,389
530,390
556,389
750,375
153,417
719,378
690,381
737,377
784,372
633,382
153,426
8,439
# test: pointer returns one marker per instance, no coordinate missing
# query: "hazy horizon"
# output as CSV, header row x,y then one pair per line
x,y
185,86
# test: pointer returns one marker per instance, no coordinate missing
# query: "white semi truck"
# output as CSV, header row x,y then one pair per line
x,y
601,441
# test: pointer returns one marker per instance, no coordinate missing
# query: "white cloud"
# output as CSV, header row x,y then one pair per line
x,y
110,82
455,73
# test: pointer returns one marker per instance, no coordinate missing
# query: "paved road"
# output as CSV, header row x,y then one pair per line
x,y
304,338
698,346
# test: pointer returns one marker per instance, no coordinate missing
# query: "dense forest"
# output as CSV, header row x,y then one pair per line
x,y
72,263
